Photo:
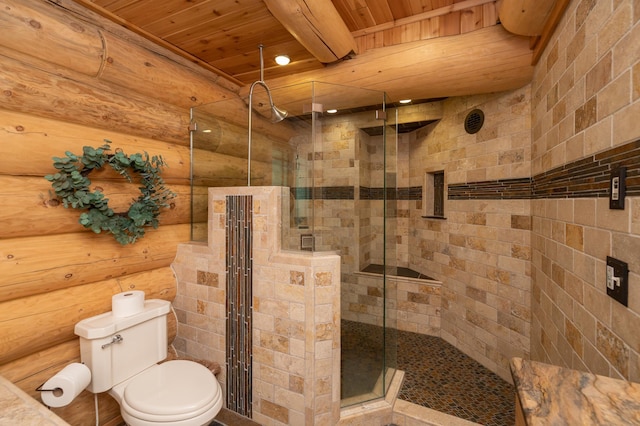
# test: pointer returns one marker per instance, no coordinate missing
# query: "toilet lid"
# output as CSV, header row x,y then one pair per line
x,y
172,389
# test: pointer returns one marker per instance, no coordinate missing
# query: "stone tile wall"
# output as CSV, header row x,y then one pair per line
x,y
412,304
481,251
367,232
296,314
585,101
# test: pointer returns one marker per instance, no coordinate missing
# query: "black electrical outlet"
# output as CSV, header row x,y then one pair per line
x,y
617,280
617,188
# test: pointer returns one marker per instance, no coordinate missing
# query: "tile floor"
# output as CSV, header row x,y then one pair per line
x,y
437,375
229,418
361,359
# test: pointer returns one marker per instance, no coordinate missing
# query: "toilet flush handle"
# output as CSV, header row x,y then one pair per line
x,y
115,339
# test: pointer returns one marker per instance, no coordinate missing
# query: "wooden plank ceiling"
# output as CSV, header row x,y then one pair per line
x,y
224,35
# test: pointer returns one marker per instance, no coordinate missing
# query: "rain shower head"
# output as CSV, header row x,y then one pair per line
x,y
277,114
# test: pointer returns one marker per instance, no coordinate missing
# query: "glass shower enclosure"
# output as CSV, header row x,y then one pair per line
x,y
336,153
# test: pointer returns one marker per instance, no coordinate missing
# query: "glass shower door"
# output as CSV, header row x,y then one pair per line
x,y
336,155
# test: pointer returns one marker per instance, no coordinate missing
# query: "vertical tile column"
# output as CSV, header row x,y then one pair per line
x,y
239,259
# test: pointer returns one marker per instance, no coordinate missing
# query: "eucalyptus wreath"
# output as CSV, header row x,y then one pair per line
x,y
72,185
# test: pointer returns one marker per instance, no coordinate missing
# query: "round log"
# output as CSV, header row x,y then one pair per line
x,y
30,265
21,369
40,93
42,139
31,324
31,207
235,111
81,411
503,63
50,34
136,68
200,201
525,17
209,166
57,357
317,25
227,138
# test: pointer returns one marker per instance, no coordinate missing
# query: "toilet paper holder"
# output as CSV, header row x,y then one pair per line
x,y
115,339
39,389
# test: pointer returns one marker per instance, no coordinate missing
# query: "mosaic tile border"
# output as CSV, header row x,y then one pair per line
x,y
239,265
403,193
324,193
348,193
584,178
588,177
491,190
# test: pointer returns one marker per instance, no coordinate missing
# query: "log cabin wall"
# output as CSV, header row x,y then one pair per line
x,y
70,78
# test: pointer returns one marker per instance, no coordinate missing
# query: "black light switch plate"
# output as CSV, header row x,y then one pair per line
x,y
619,269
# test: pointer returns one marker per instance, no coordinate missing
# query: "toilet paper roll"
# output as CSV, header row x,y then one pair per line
x,y
62,388
127,303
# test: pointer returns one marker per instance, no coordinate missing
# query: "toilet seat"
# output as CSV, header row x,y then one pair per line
x,y
175,392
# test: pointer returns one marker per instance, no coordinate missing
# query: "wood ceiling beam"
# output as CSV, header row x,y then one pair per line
x,y
317,25
525,17
482,61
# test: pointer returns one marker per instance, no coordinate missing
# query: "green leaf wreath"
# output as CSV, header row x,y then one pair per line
x,y
71,184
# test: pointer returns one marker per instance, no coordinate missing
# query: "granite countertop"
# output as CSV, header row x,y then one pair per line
x,y
18,408
552,395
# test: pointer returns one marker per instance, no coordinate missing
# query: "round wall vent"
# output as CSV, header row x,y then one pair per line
x,y
474,121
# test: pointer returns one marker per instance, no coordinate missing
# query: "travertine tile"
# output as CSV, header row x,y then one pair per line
x,y
615,96
280,311
597,62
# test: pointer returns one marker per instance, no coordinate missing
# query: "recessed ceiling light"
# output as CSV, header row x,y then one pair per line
x,y
405,101
282,60
206,131
332,111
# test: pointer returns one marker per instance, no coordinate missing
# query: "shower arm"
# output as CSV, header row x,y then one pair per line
x,y
254,84
271,105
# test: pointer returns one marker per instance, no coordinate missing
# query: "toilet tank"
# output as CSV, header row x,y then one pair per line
x,y
142,343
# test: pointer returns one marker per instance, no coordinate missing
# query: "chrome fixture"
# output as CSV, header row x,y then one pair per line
x,y
115,339
277,114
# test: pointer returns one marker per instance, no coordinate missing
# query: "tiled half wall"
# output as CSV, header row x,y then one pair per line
x,y
295,313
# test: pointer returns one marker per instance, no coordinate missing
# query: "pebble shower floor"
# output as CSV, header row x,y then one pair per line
x,y
437,375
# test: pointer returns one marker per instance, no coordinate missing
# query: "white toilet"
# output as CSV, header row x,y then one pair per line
x,y
123,355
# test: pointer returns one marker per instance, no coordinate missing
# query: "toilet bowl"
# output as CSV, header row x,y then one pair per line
x,y
125,356
179,392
